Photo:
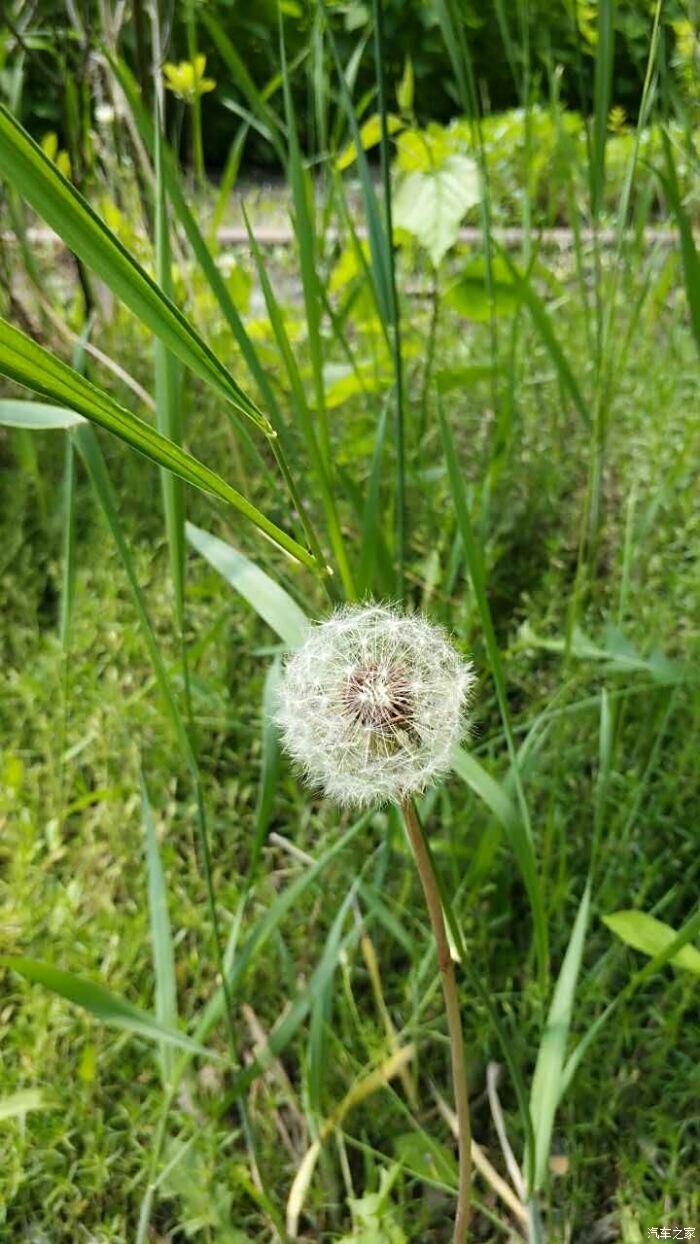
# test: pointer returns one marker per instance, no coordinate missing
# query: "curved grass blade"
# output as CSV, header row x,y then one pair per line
x,y
268,599
25,166
29,364
106,1006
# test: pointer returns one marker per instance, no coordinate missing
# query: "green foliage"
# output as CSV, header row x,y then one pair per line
x,y
502,436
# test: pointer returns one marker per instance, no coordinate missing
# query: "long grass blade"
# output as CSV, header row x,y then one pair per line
x,y
161,935
167,390
22,360
267,598
547,1079
52,196
110,1008
519,831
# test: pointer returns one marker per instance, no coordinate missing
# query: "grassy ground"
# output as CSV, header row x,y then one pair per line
x,y
77,734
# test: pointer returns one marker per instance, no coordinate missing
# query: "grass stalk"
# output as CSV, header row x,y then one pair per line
x,y
394,313
454,1023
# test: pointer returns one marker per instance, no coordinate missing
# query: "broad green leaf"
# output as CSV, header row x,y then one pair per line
x,y
370,136
29,364
268,599
432,205
547,1083
25,166
36,416
16,1105
106,1006
651,936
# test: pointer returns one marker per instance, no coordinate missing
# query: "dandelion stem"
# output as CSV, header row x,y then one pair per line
x,y
454,1023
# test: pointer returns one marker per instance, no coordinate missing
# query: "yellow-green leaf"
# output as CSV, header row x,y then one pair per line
x,y
644,932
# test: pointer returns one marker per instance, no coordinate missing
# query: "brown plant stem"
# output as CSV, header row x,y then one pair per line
x,y
454,1023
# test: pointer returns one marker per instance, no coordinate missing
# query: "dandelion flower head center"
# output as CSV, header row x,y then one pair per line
x,y
373,704
379,698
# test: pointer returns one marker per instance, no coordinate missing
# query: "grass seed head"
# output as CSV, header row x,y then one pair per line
x,y
373,704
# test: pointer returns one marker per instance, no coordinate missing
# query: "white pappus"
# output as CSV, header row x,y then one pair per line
x,y
373,704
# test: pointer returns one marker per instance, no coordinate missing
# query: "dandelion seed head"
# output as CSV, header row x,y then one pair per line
x,y
372,705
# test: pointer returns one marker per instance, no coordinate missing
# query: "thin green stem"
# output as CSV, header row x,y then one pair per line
x,y
395,318
454,1022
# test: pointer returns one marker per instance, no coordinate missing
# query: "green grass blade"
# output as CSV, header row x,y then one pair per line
x,y
689,252
243,80
108,1007
267,925
305,229
602,91
486,788
520,831
481,991
146,129
371,518
270,756
16,1105
22,360
690,930
53,197
296,1013
547,1079
394,318
267,598
88,447
168,413
542,321
304,419
161,935
378,242
36,416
